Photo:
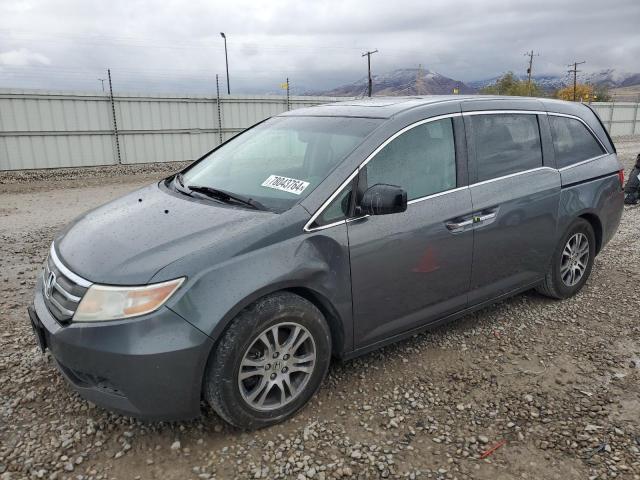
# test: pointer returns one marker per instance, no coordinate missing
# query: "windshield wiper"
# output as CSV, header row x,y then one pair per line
x,y
178,182
224,196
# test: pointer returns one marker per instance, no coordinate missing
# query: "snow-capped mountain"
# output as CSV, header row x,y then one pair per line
x,y
611,78
403,81
608,78
418,81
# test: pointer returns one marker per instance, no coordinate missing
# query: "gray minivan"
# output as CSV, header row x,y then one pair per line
x,y
325,231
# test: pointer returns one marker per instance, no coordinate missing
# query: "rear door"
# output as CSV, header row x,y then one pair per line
x,y
515,195
410,268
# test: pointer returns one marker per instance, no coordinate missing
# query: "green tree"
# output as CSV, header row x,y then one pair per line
x,y
509,84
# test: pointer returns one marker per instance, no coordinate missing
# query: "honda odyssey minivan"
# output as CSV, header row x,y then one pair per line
x,y
325,231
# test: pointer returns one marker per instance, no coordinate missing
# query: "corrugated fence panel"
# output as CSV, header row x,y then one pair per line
x,y
50,129
166,147
46,129
620,118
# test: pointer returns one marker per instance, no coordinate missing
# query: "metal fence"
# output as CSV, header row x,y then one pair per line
x,y
620,118
41,129
71,129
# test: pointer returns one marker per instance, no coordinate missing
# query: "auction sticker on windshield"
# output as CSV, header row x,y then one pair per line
x,y
285,184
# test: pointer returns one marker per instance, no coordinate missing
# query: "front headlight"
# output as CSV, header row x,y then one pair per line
x,y
104,302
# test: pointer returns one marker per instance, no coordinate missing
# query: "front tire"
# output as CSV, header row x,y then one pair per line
x,y
269,362
572,261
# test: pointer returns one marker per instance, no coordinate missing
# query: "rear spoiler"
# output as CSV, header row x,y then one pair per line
x,y
602,125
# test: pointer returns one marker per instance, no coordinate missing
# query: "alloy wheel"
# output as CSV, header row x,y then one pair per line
x,y
575,258
277,366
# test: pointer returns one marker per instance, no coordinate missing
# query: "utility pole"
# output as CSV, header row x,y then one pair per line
x,y
575,71
226,60
368,55
102,81
530,69
420,88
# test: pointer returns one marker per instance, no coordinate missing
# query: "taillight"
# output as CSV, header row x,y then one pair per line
x,y
621,177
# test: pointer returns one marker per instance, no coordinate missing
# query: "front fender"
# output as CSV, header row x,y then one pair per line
x,y
317,262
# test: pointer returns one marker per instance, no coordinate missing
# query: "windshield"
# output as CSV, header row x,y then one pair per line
x,y
280,161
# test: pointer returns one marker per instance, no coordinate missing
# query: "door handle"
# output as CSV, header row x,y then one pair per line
x,y
455,227
485,217
461,223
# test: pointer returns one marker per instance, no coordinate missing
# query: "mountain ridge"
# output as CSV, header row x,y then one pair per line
x,y
402,81
419,81
609,78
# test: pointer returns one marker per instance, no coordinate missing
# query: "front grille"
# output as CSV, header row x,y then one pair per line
x,y
62,289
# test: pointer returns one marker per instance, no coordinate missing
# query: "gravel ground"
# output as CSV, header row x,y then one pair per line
x,y
554,384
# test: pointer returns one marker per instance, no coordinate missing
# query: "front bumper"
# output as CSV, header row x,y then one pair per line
x,y
148,367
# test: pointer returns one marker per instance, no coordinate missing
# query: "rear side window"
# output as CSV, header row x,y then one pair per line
x,y
572,141
422,160
506,144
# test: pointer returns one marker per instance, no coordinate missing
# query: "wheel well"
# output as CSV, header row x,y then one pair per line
x,y
597,228
333,318
330,314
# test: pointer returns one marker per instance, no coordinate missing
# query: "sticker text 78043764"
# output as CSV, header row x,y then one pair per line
x,y
285,184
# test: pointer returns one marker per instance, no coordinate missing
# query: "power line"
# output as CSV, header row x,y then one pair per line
x,y
166,72
368,55
149,42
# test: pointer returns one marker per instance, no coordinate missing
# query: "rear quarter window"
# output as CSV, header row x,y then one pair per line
x,y
572,141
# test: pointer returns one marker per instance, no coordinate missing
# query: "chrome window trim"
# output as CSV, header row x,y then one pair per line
x,y
65,271
439,194
503,177
322,227
498,112
583,162
308,228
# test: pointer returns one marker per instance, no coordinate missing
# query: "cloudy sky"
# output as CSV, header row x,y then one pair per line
x,y
173,45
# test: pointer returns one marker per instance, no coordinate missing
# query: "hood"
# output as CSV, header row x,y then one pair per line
x,y
129,239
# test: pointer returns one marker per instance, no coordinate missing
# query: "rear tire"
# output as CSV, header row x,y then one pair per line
x,y
269,362
571,263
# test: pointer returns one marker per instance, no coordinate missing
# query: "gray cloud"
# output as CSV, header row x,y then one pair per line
x,y
169,45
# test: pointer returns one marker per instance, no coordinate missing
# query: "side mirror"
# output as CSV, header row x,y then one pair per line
x,y
381,199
